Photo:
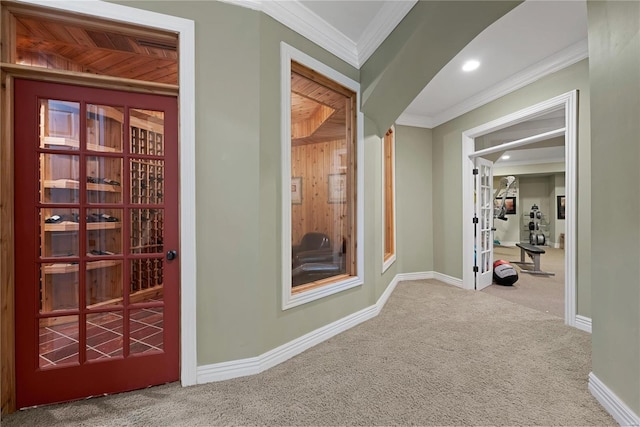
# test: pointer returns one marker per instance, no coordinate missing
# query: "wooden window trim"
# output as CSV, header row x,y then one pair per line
x,y
320,73
389,199
86,79
351,261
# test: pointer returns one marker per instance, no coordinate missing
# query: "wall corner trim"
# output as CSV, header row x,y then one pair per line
x,y
583,323
612,403
254,365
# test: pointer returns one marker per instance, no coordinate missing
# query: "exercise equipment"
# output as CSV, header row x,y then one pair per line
x,y
536,237
500,212
534,253
504,273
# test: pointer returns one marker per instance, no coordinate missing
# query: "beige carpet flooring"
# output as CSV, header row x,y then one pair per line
x,y
436,355
544,293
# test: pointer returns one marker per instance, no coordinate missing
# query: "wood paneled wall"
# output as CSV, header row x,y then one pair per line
x,y
314,163
53,62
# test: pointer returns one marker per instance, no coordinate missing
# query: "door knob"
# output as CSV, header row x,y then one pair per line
x,y
171,255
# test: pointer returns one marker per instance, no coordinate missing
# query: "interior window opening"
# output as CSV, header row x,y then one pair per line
x,y
323,199
389,198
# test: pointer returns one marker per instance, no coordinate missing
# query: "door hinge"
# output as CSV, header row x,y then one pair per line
x,y
475,220
475,171
475,268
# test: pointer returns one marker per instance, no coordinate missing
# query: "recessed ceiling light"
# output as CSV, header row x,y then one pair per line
x,y
470,65
505,157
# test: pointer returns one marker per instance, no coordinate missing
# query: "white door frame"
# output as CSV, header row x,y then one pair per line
x,y
568,101
186,120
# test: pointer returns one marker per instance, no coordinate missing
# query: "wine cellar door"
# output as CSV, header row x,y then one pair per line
x,y
96,217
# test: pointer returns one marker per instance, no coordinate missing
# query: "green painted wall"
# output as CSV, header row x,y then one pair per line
x,y
227,174
276,327
238,171
614,49
431,34
414,198
447,172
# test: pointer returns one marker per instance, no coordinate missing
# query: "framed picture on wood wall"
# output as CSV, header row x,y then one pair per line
x,y
560,207
296,190
337,188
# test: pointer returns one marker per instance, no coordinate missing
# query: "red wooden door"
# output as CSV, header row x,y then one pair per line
x,y
96,217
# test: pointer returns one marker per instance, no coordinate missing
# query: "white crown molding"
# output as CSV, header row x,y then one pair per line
x,y
302,20
249,4
569,56
612,403
415,120
385,21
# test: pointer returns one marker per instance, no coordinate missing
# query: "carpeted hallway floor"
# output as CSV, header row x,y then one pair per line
x,y
436,355
544,293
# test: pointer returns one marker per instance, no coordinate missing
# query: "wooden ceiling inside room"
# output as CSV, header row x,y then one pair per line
x,y
97,48
318,114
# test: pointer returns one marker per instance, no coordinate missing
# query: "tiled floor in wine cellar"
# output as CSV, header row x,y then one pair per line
x,y
59,343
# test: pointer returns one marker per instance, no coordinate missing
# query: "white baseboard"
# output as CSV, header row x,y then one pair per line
x,y
424,275
255,365
583,323
448,279
612,403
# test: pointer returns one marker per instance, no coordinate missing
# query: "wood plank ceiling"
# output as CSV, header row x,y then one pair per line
x,y
46,42
318,114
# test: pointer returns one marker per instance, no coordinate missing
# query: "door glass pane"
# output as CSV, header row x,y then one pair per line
x,y
147,228
59,237
104,128
104,232
146,330
59,178
58,287
104,286
104,179
147,130
147,181
59,124
104,335
58,339
146,280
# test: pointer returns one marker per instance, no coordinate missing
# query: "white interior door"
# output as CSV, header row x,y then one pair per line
x,y
484,225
